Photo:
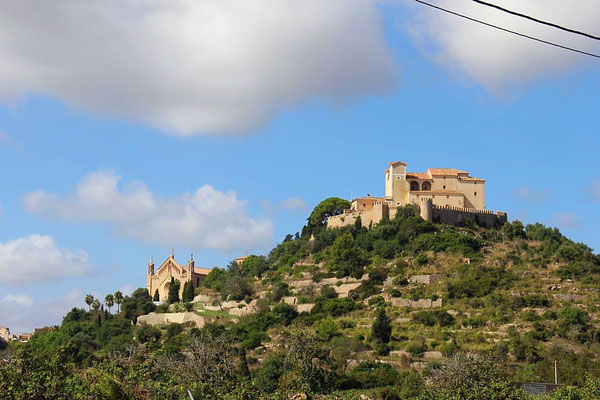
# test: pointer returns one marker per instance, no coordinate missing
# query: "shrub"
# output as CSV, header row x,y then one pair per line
x,y
328,329
146,333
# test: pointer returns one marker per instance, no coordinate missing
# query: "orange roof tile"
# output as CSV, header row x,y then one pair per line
x,y
418,175
201,271
445,171
469,178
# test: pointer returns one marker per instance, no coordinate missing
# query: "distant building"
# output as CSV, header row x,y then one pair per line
x,y
240,260
46,329
443,194
5,334
25,337
161,279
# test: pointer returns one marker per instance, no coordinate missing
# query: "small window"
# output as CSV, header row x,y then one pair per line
x,y
444,186
364,204
447,197
475,194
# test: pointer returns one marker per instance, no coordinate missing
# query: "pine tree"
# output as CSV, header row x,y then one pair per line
x,y
156,296
382,327
173,291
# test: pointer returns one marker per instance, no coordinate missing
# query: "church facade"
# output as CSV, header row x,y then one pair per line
x,y
161,278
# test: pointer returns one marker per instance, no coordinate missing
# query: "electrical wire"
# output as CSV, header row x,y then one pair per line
x,y
508,30
506,10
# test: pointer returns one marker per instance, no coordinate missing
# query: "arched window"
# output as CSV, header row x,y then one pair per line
x,y
414,185
426,186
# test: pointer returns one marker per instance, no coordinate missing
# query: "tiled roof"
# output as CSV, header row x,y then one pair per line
x,y
368,198
418,175
469,178
445,171
201,271
397,162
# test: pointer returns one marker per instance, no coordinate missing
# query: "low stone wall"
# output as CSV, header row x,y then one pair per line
x,y
304,308
426,279
421,303
344,289
168,318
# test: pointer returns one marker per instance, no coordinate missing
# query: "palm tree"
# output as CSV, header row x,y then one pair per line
x,y
96,304
89,299
118,299
109,300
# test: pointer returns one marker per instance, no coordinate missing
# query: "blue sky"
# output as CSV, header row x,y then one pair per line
x,y
99,172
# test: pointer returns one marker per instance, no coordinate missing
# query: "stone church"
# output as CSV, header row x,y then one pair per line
x,y
161,279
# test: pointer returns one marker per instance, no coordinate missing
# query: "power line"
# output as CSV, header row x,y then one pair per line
x,y
509,31
537,20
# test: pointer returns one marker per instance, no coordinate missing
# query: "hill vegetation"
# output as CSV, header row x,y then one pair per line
x,y
404,310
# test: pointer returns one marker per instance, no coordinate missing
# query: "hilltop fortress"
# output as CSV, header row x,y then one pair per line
x,y
444,195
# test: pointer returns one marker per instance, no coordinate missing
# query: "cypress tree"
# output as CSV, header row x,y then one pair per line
x,y
173,291
156,296
382,327
188,292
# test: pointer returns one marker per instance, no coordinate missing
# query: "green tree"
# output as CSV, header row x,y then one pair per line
x,y
89,299
345,257
96,304
325,209
188,292
118,300
382,327
173,291
109,300
156,296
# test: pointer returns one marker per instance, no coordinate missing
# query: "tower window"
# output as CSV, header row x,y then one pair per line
x,y
444,186
475,194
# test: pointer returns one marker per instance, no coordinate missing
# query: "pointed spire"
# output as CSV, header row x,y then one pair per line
x,y
151,266
172,254
191,262
191,256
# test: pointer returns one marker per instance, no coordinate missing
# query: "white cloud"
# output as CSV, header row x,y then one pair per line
x,y
530,195
568,220
23,314
16,299
193,67
207,218
37,258
495,58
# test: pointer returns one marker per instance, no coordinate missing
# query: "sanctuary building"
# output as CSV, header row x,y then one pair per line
x,y
161,279
444,195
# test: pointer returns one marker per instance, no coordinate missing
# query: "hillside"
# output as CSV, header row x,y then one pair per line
x,y
406,309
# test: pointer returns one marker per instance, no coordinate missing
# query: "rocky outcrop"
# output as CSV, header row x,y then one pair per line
x,y
169,318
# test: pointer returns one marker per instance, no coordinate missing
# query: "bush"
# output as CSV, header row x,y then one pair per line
x,y
174,329
431,318
328,329
369,374
146,333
